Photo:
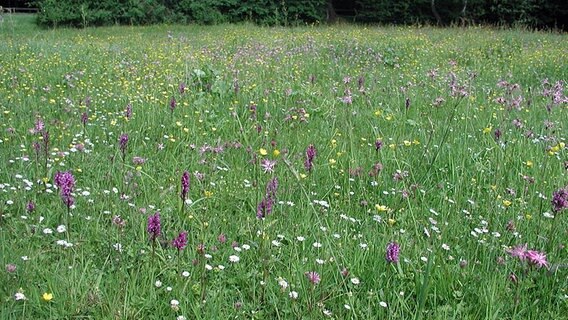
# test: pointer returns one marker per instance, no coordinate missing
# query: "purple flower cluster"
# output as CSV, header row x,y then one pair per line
x,y
378,144
84,118
310,155
65,182
264,208
173,104
128,112
184,185
393,250
154,226
180,242
123,142
533,257
560,199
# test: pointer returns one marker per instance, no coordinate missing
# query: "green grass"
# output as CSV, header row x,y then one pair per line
x,y
457,182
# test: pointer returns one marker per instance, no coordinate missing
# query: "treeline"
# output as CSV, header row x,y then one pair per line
x,y
542,14
82,13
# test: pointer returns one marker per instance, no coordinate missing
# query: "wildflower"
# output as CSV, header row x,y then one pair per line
x,y
47,297
173,104
518,252
118,221
267,165
497,133
560,199
180,242
30,206
20,295
310,155
272,187
11,268
222,238
123,144
84,118
154,227
174,304
184,185
513,278
65,182
234,258
138,160
378,144
264,208
313,277
536,258
181,88
293,295
282,283
393,250
128,111
381,208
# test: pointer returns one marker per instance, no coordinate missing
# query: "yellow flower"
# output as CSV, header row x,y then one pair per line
x,y
262,152
407,143
332,161
47,296
303,175
507,203
381,208
487,130
391,222
208,194
276,152
529,163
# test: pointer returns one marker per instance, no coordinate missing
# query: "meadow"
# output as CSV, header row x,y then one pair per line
x,y
237,171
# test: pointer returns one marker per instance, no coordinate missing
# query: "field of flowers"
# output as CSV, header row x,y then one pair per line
x,y
187,172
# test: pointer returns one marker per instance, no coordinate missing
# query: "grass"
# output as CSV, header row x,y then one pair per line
x,y
440,140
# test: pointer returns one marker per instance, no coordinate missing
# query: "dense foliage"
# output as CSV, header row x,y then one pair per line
x,y
532,13
106,12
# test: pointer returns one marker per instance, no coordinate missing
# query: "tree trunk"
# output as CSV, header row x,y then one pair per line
x,y
331,14
435,12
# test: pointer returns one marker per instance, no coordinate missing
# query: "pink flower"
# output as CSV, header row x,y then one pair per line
x,y
536,258
313,277
518,252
